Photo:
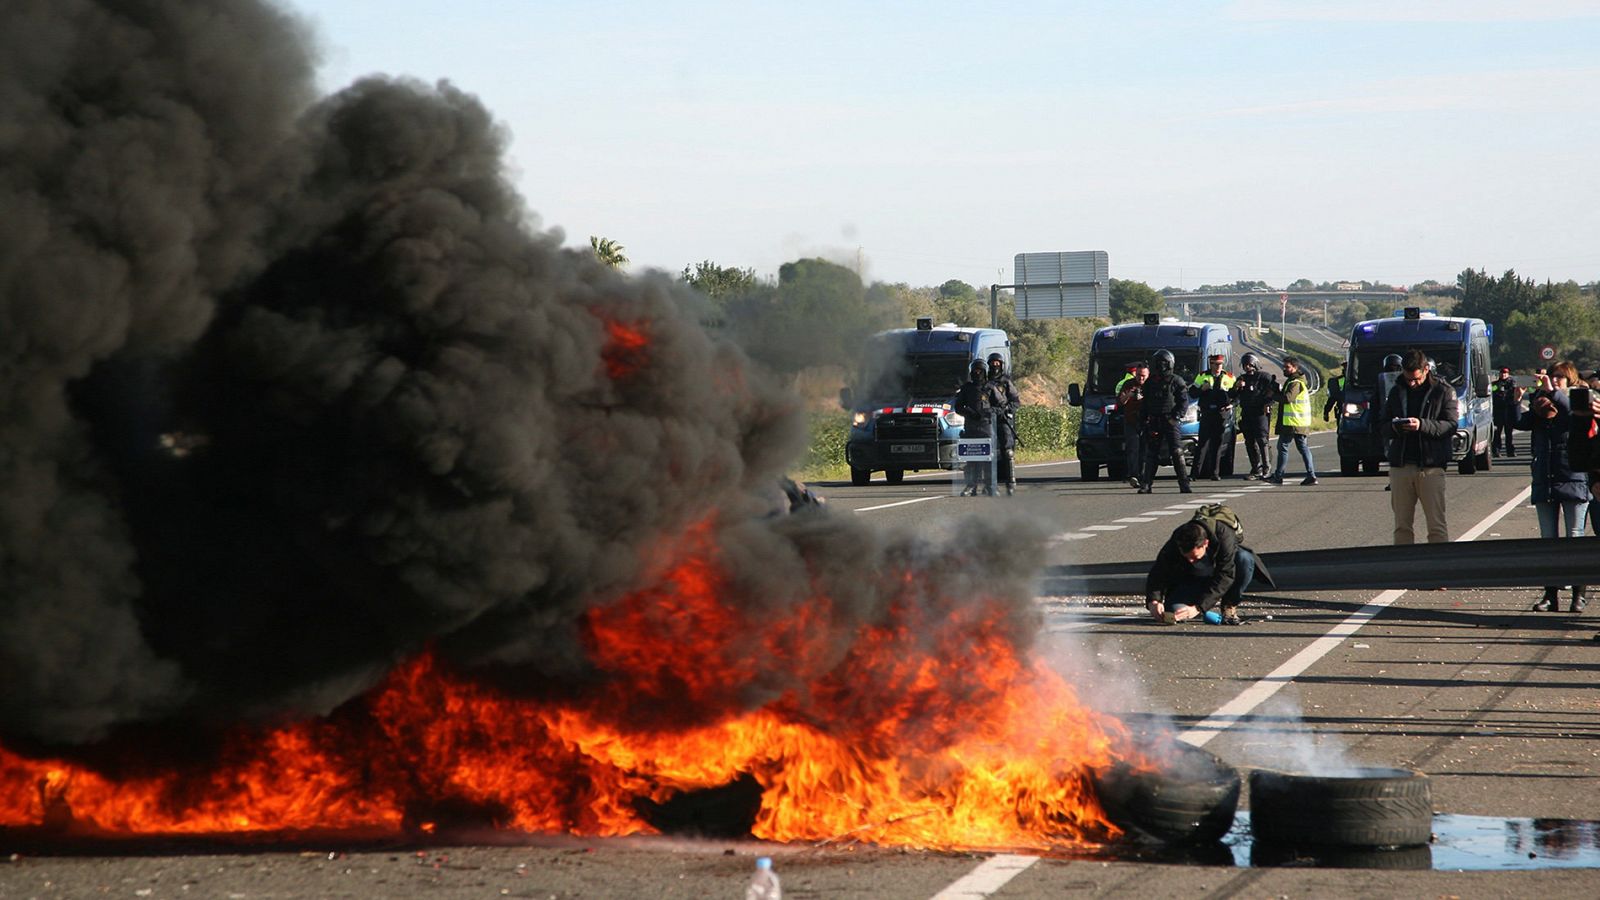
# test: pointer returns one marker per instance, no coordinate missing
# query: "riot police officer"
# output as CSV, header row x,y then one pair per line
x,y
1165,398
1254,391
1212,390
1006,402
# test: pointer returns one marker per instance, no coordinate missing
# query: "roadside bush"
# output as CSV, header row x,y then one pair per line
x,y
1048,430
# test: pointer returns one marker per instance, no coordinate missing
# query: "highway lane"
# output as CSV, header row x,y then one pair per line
x,y
1496,702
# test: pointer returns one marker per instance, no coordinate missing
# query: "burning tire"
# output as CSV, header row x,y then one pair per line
x,y
1192,800
1371,808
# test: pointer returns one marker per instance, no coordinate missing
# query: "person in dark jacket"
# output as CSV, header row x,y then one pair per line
x,y
1418,421
1165,398
1203,564
1335,401
1004,391
1254,392
1130,399
974,403
1558,490
1507,407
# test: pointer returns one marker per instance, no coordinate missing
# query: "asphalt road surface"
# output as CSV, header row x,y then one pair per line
x,y
1496,703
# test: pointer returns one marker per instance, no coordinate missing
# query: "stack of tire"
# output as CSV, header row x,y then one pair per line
x,y
1370,818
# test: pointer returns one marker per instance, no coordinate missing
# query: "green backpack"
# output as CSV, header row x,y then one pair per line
x,y
1213,513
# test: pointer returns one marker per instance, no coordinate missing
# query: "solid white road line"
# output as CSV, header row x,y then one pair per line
x,y
987,878
900,503
1257,693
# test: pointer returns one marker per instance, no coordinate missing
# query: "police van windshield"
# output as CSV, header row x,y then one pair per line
x,y
1368,362
918,375
1106,368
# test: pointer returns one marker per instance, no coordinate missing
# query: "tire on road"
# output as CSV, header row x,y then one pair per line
x,y
1349,466
1375,807
1089,471
859,477
894,476
1190,800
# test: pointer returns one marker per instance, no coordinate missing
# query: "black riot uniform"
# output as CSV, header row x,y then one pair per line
x,y
974,402
1253,391
1165,397
1006,402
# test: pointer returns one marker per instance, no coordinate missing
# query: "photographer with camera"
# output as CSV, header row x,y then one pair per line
x,y
1419,419
1559,490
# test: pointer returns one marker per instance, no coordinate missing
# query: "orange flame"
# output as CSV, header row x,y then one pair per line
x,y
624,353
957,747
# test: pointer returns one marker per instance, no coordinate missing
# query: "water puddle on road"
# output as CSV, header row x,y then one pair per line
x,y
1461,843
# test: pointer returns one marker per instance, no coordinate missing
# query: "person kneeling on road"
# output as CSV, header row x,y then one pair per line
x,y
1204,564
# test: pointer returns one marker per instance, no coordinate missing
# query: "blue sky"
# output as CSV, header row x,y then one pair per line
x,y
1195,142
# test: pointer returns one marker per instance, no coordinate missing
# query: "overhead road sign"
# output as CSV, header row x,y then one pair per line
x,y
1062,285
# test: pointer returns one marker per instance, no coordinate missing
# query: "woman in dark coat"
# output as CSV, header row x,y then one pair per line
x,y
1560,495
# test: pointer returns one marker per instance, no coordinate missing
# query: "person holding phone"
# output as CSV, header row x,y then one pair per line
x,y
1559,491
1419,419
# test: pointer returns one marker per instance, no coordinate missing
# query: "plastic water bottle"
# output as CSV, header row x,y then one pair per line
x,y
1213,617
764,886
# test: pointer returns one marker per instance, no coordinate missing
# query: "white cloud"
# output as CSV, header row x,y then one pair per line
x,y
1411,10
1569,90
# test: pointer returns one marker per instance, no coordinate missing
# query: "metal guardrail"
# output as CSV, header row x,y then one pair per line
x,y
1526,562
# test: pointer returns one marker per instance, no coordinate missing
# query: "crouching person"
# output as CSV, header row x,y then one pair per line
x,y
1203,569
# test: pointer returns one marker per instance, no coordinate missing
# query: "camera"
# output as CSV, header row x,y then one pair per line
x,y
1579,398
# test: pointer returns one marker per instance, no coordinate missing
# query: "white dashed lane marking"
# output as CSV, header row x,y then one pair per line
x,y
1134,520
1104,527
1160,512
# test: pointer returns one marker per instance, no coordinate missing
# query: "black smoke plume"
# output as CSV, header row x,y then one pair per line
x,y
292,388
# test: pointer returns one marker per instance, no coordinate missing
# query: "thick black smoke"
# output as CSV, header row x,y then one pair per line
x,y
292,388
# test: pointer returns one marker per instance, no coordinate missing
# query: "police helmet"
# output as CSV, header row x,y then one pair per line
x,y
997,358
978,368
1248,361
1391,363
1161,362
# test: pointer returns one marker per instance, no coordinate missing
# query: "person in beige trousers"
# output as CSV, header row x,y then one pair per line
x,y
1419,419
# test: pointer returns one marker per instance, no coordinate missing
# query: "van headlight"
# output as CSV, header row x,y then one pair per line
x,y
858,420
1093,417
954,420
1192,414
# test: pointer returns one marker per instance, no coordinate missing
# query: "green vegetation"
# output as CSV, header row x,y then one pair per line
x,y
1527,317
608,251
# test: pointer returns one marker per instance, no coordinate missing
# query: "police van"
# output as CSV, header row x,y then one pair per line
x,y
1459,349
902,407
1112,351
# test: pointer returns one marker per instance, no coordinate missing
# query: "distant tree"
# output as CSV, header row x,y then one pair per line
x,y
956,289
1495,299
1130,300
719,282
608,251
1301,284
819,314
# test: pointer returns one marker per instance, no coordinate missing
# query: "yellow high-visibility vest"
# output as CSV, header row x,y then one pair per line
x,y
1297,412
